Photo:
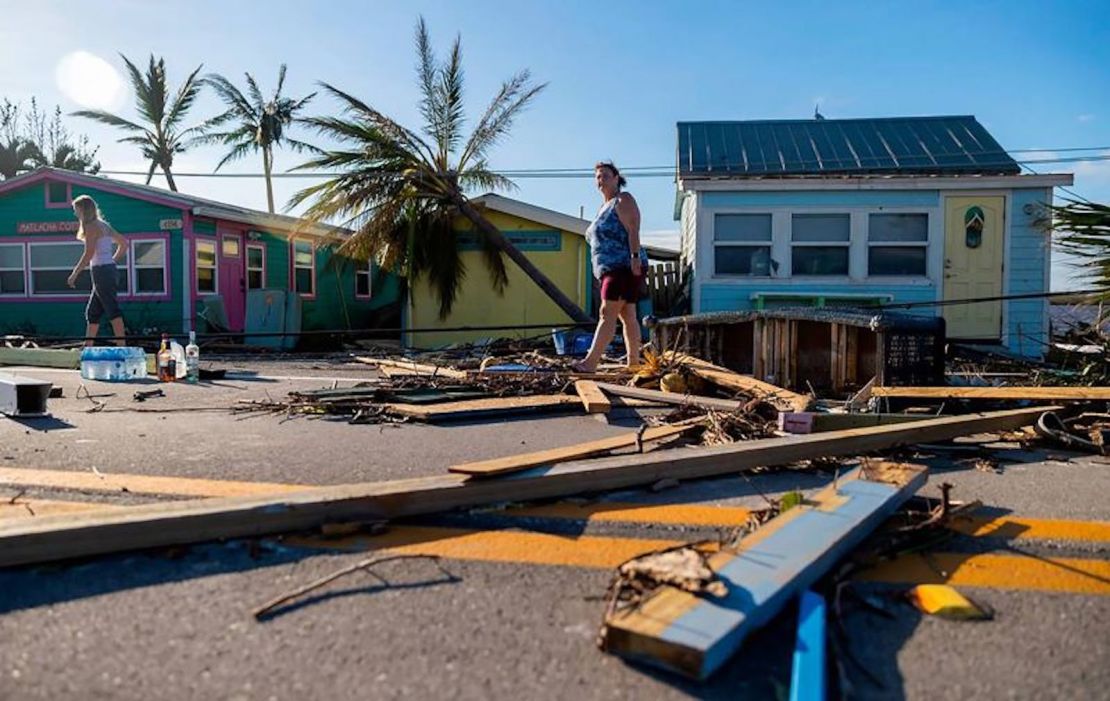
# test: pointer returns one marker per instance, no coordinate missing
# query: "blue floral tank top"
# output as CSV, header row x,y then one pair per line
x,y
608,239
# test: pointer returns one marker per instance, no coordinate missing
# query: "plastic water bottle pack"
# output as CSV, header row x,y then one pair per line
x,y
113,363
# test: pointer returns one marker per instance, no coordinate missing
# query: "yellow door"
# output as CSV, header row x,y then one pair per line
x,y
973,246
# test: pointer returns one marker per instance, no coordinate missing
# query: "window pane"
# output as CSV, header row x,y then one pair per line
x,y
206,253
742,260
254,257
231,247
63,255
302,253
206,280
150,253
11,282
820,260
58,193
362,284
820,227
742,227
303,281
11,257
898,227
896,260
149,280
122,283
54,282
254,279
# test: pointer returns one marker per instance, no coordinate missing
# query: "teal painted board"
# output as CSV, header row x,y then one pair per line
x,y
265,313
293,320
808,675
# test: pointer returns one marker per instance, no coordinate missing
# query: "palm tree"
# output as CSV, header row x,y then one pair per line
x,y
400,192
160,137
1084,232
259,123
17,155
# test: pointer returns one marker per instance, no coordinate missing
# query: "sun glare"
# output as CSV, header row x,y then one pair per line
x,y
90,81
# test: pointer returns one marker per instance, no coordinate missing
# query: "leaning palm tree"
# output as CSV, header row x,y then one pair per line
x,y
17,155
1083,231
399,191
160,136
259,124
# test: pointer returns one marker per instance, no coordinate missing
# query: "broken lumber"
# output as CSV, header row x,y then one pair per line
x,y
1013,393
483,408
808,676
414,367
813,422
516,463
593,399
655,395
784,399
695,634
195,521
41,357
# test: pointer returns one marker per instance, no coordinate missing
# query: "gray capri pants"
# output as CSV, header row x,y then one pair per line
x,y
102,301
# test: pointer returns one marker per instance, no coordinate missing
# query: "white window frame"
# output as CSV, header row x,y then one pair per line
x,y
896,244
262,270
215,243
769,244
134,267
22,245
68,292
368,271
846,244
293,267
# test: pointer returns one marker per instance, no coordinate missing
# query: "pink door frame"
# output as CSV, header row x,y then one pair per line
x,y
233,284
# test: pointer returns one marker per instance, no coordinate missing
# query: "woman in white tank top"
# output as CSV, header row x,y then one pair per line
x,y
99,238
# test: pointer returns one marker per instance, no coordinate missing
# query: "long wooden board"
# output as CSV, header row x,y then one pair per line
x,y
655,395
593,399
516,463
415,367
484,408
1015,393
176,523
784,399
695,634
41,357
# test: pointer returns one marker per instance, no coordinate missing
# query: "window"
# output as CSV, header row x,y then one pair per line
x,y
897,244
230,247
149,265
363,279
206,267
742,244
304,272
256,266
51,264
819,244
58,195
13,280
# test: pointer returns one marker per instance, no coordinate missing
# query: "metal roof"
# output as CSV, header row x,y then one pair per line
x,y
818,147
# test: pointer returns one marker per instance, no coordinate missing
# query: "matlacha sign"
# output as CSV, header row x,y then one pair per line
x,y
46,227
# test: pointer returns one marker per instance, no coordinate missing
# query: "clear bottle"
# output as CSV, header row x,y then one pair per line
x,y
167,366
192,359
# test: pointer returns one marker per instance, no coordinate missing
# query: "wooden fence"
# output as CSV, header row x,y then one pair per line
x,y
664,284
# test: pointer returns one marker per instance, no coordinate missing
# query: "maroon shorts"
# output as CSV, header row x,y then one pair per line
x,y
621,285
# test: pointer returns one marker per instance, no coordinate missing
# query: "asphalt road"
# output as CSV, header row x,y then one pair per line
x,y
514,611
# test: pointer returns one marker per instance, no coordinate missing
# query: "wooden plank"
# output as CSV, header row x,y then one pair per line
x,y
484,408
593,399
808,679
655,395
516,463
861,398
1043,393
413,366
195,521
782,398
695,634
41,357
812,422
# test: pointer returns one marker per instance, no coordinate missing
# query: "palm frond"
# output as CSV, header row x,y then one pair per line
x,y
186,95
451,102
513,98
109,119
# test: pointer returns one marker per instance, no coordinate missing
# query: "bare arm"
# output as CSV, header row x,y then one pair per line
x,y
121,244
629,214
84,261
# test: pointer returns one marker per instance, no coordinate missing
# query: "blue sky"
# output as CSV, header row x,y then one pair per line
x,y
620,74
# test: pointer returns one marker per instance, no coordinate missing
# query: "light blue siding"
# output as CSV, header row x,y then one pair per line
x,y
738,297
822,198
1026,319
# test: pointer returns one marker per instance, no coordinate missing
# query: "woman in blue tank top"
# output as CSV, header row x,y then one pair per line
x,y
618,262
99,238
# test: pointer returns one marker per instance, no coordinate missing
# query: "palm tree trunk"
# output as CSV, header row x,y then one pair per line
x,y
150,173
569,308
267,165
169,178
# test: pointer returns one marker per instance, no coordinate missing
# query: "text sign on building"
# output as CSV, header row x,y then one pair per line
x,y
46,227
167,224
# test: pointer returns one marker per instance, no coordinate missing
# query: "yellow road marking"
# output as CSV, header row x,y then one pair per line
x,y
595,552
1016,527
140,484
1072,575
685,514
30,508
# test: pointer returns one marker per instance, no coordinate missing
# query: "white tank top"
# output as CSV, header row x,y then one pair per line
x,y
105,246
